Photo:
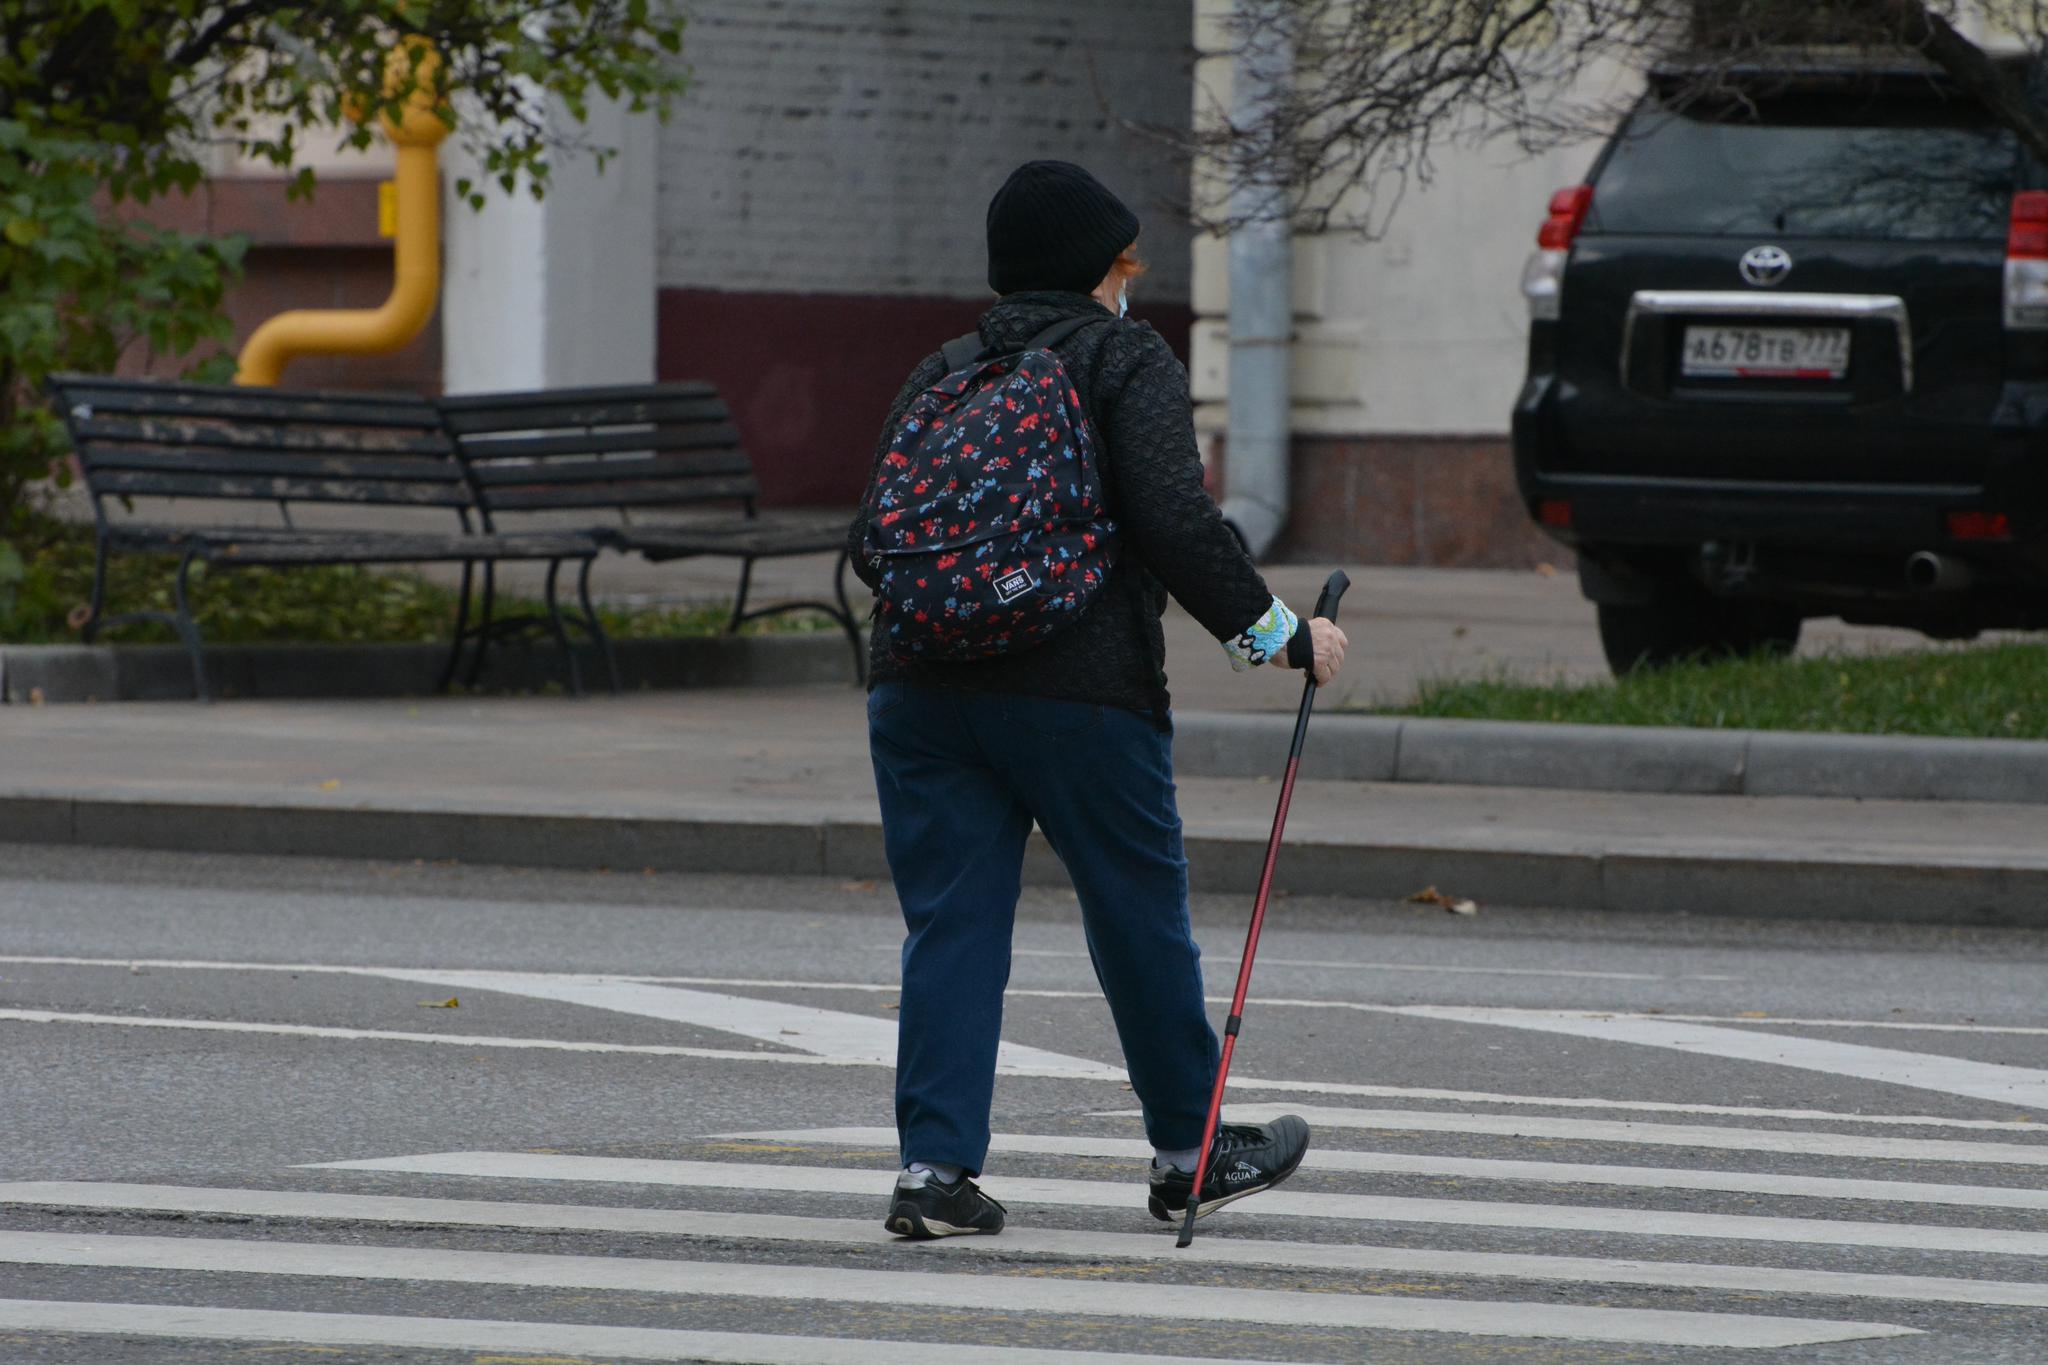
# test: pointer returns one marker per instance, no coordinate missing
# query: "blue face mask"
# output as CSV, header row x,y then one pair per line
x,y
1123,300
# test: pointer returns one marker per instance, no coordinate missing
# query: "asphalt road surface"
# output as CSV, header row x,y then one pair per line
x,y
303,1111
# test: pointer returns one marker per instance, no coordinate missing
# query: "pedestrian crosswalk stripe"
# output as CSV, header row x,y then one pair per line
x,y
806,1028
525,1340
1480,1168
1238,1083
1219,1247
1629,1131
937,1289
1274,1204
2021,1086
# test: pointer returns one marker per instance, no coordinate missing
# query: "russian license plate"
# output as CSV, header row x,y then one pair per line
x,y
1765,353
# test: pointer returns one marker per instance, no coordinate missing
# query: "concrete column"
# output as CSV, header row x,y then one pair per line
x,y
558,292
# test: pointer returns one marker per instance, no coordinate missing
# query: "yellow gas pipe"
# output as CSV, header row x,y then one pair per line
x,y
416,247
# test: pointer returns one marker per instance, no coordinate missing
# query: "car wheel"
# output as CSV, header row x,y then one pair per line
x,y
1674,629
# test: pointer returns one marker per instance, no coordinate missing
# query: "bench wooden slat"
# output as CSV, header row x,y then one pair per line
x,y
680,470
246,404
181,433
546,497
464,417
344,545
276,488
479,450
767,538
372,548
377,468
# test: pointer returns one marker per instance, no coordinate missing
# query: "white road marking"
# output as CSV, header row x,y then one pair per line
x,y
2024,1087
1431,968
823,1033
1239,1084
473,1040
1854,1145
522,1340
936,1289
1309,1087
1473,1168
1273,1204
1900,1025
1218,1248
1056,1066
890,988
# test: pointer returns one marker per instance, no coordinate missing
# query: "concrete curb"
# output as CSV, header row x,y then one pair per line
x,y
1617,758
83,673
1951,891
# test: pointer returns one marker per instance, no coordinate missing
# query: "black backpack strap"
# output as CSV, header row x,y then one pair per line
x,y
1061,330
961,352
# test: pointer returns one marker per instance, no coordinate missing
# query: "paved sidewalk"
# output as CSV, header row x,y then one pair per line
x,y
777,781
1405,625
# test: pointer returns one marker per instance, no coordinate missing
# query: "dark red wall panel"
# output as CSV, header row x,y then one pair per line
x,y
810,376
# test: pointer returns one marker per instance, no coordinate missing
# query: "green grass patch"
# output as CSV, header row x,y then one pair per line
x,y
45,588
1984,691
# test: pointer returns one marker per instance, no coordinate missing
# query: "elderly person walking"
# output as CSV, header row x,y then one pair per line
x,y
1034,690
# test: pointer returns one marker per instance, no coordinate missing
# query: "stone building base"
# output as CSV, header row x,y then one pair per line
x,y
1435,501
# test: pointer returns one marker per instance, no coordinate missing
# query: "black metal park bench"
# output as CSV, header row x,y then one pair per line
x,y
150,440
663,460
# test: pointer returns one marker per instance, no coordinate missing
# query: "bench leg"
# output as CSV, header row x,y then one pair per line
x,y
447,677
739,603
188,629
560,632
91,629
595,627
483,625
846,622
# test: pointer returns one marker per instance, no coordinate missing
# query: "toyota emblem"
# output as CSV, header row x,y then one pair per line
x,y
1765,265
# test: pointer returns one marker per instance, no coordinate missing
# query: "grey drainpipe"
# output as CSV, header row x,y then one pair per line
x,y
1255,473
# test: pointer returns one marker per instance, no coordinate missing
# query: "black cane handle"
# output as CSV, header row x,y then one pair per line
x,y
1333,593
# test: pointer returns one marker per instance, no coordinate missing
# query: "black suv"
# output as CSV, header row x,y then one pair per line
x,y
1788,357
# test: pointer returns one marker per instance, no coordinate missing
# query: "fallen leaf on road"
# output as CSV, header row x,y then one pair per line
x,y
1429,895
863,886
1753,1014
35,696
1547,570
332,784
449,1004
892,1005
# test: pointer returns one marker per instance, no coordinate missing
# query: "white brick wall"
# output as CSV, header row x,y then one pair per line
x,y
851,146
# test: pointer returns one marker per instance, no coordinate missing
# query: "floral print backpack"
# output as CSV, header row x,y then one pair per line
x,y
985,521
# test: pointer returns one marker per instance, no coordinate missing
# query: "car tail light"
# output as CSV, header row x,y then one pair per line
x,y
1543,277
1979,526
2026,262
1567,215
1555,512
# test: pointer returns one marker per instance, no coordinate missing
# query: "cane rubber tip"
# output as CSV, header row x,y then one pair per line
x,y
1187,1229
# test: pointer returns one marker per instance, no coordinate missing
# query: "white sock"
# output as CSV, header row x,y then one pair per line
x,y
1182,1160
947,1173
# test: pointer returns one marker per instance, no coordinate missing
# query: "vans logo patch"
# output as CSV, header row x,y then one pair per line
x,y
1014,585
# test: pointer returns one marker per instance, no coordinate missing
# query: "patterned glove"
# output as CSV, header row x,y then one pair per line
x,y
1263,639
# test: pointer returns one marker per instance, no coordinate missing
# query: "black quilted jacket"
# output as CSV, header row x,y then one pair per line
x,y
1173,539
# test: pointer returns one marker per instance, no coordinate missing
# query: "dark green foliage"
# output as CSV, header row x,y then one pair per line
x,y
1985,691
109,104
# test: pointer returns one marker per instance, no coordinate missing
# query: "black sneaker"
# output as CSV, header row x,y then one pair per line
x,y
1247,1158
924,1207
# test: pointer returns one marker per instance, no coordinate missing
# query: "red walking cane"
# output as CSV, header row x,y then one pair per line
x,y
1326,607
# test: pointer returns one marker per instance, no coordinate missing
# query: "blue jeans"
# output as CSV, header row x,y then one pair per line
x,y
962,777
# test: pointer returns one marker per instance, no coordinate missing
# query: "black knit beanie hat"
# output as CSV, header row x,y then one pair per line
x,y
1054,226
